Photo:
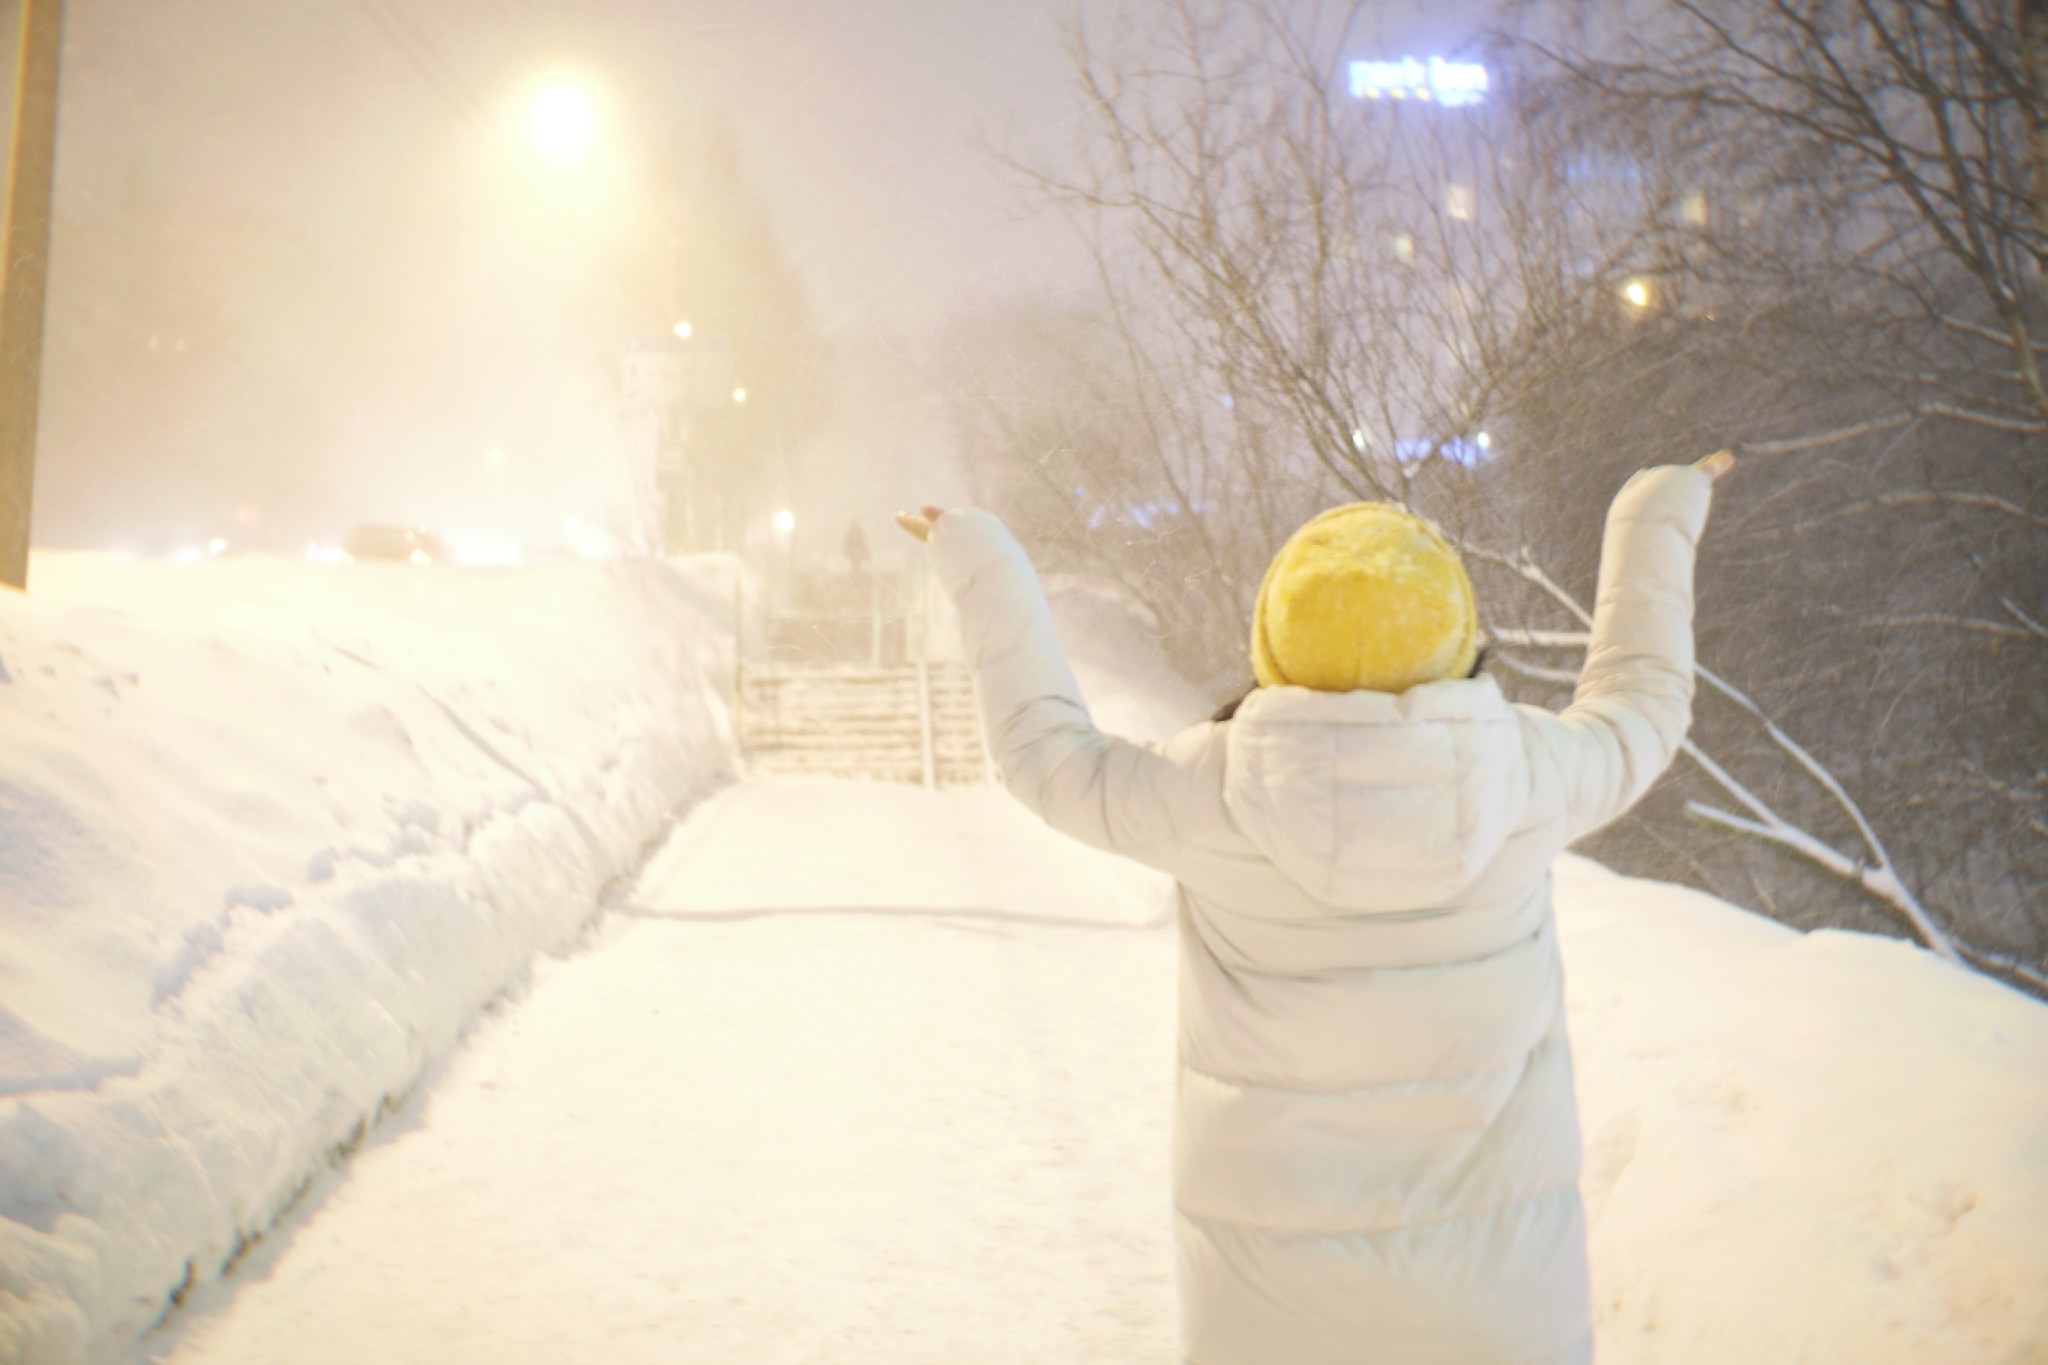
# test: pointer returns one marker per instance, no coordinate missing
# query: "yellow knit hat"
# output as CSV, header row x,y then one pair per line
x,y
1365,596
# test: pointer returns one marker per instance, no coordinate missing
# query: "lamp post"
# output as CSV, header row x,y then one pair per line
x,y
784,523
24,274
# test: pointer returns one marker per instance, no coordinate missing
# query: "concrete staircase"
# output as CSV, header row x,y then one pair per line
x,y
851,722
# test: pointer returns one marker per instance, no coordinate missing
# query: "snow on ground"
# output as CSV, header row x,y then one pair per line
x,y
932,1128
1801,1147
270,834
851,1072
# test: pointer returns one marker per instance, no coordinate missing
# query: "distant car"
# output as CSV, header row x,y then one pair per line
x,y
395,545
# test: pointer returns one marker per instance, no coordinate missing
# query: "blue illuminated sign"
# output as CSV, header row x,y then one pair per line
x,y
1413,78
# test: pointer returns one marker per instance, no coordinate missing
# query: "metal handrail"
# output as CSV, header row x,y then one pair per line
x,y
924,723
988,750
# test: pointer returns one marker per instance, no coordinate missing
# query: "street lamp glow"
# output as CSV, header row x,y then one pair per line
x,y
785,522
1637,292
563,122
739,395
683,330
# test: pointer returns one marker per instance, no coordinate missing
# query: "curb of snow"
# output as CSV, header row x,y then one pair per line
x,y
283,1035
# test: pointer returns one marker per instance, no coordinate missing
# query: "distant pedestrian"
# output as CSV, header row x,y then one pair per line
x,y
855,548
1376,1150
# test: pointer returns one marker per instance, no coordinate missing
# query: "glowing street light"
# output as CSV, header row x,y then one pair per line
x,y
739,395
785,522
683,330
1636,293
563,122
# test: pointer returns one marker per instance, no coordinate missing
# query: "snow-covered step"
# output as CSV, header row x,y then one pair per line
x,y
838,721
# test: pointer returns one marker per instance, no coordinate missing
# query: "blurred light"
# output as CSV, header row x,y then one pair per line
x,y
563,122
191,554
496,458
1457,450
739,395
683,331
785,522
1437,81
1485,441
1637,292
420,557
216,546
596,544
491,551
327,554
589,541
1358,438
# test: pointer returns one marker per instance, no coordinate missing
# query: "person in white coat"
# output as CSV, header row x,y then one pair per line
x,y
1376,1143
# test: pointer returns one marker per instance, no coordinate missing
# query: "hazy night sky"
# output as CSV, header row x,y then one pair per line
x,y
300,283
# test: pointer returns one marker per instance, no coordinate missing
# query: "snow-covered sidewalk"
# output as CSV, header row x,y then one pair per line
x,y
857,1073
871,1074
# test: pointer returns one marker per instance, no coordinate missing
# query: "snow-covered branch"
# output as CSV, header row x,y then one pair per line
x,y
2030,630
2022,426
1983,501
1797,444
1880,882
1514,638
2005,962
1873,871
1558,677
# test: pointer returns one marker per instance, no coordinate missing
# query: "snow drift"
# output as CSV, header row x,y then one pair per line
x,y
270,835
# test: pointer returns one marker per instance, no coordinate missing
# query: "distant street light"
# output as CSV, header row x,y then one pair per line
x,y
563,122
1637,292
739,395
683,331
785,522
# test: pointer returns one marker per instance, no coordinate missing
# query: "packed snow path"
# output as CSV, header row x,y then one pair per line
x,y
856,1072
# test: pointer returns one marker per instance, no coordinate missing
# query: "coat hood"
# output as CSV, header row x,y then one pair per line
x,y
1377,801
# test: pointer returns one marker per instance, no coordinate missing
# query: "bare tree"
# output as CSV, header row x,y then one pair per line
x,y
1580,278
1874,246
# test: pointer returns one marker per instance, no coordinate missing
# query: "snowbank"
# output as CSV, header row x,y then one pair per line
x,y
1825,1147
1801,1147
270,834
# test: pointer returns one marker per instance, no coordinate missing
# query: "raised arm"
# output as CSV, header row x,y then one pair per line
x,y
1100,789
1633,704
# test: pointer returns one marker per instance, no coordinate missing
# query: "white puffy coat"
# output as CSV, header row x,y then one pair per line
x,y
1376,1142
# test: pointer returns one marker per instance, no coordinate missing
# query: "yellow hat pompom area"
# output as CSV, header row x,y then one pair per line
x,y
1366,596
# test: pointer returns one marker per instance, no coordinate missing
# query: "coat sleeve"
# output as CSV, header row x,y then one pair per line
x,y
1095,787
1633,704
